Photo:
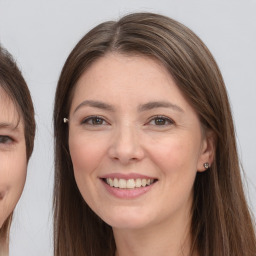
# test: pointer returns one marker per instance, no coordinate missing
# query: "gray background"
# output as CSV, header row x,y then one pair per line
x,y
41,34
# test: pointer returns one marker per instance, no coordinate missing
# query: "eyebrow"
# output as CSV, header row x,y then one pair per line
x,y
141,108
8,126
95,104
159,104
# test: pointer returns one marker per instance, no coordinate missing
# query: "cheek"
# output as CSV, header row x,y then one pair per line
x,y
87,156
177,158
13,172
85,153
175,152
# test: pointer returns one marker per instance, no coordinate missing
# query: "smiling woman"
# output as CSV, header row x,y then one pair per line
x,y
137,148
145,152
17,130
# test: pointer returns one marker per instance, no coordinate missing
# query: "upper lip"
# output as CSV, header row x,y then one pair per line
x,y
126,176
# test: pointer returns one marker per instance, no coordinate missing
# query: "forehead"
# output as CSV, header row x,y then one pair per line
x,y
8,111
117,77
120,71
114,65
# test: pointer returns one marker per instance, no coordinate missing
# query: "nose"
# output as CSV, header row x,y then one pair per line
x,y
126,145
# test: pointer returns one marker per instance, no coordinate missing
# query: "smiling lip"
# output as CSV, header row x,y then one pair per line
x,y
126,176
127,186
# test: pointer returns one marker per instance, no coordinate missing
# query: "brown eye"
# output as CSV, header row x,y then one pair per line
x,y
97,121
160,121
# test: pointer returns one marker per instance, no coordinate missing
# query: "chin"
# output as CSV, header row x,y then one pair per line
x,y
130,224
127,220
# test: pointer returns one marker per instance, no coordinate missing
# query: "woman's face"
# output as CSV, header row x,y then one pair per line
x,y
12,156
135,142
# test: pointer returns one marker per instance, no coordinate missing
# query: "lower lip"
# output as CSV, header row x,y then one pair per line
x,y
127,193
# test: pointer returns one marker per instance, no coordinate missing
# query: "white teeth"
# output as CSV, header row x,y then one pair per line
x,y
122,183
116,183
138,183
110,182
131,183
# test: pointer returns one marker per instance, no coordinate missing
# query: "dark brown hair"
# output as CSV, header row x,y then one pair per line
x,y
14,85
221,220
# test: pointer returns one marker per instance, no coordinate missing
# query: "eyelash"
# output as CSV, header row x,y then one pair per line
x,y
163,119
5,139
91,119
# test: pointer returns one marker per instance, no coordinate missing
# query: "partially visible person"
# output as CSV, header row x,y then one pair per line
x,y
17,131
145,148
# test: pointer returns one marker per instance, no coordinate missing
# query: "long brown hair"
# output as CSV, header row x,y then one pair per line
x,y
221,220
14,85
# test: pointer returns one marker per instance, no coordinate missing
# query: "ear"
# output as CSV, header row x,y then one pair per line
x,y
207,150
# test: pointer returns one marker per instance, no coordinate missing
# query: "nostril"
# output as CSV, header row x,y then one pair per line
x,y
126,147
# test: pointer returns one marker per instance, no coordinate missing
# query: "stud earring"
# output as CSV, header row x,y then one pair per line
x,y
65,120
206,165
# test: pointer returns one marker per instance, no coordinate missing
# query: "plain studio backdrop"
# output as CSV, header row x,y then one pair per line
x,y
41,34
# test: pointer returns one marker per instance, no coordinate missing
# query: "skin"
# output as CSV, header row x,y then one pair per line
x,y
12,156
128,138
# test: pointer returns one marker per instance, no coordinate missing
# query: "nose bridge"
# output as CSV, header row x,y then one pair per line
x,y
126,144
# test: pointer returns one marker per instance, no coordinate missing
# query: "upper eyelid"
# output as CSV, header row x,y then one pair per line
x,y
161,116
93,116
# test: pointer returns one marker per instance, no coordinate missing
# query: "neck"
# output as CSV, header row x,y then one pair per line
x,y
165,239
